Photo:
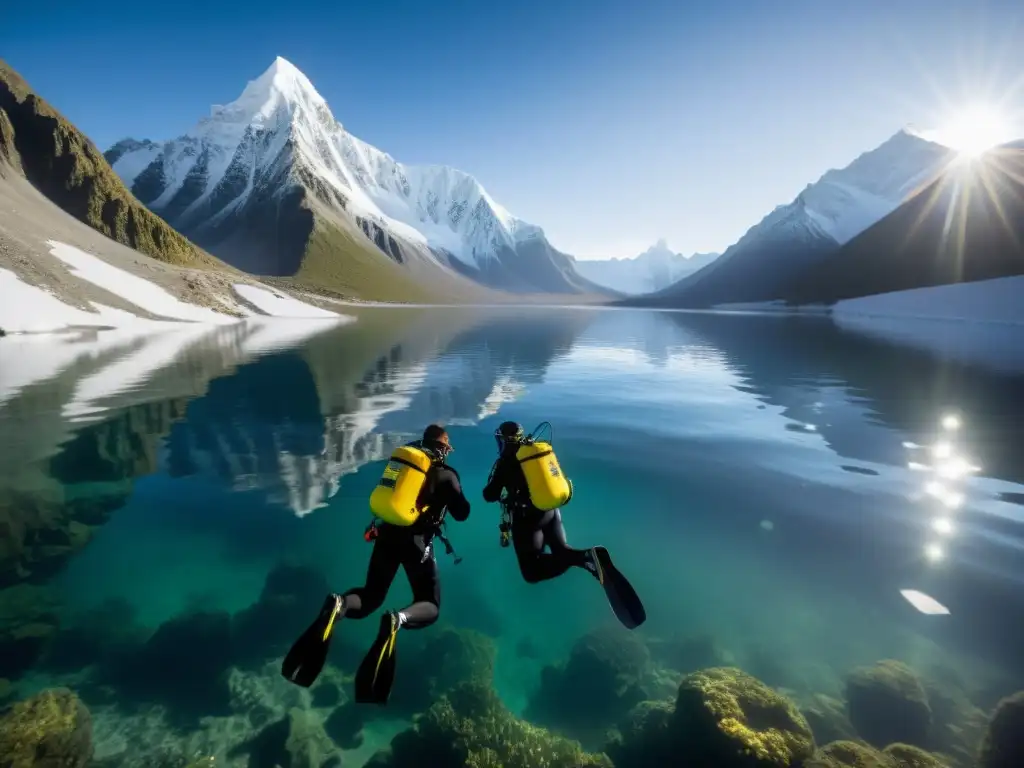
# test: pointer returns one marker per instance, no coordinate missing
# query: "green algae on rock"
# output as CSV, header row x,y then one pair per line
x,y
1003,746
53,729
909,756
726,718
471,728
888,704
849,754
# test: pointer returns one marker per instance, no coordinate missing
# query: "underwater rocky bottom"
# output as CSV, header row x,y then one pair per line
x,y
127,698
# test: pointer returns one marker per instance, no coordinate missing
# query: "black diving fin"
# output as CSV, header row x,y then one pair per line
x,y
625,602
376,673
307,655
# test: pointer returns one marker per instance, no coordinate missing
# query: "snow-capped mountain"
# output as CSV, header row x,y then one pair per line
x,y
260,178
654,269
825,215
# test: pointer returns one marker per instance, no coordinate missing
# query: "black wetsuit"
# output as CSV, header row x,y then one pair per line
x,y
532,528
412,547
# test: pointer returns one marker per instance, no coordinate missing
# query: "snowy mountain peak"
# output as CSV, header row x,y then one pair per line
x,y
281,83
280,134
282,93
653,270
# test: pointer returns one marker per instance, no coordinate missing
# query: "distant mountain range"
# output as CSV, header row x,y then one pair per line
x,y
806,232
656,268
273,184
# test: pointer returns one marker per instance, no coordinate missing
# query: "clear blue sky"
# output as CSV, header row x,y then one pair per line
x,y
608,124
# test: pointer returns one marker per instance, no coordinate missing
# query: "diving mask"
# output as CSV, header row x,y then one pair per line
x,y
508,433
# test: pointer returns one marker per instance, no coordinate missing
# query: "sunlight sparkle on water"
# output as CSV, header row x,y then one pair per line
x,y
943,525
933,552
954,468
942,450
951,422
953,500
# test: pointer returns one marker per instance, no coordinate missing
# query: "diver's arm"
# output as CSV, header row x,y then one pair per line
x,y
454,499
495,482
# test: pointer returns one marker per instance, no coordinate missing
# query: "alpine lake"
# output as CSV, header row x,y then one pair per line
x,y
838,517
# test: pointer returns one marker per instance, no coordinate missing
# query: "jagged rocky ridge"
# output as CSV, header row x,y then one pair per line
x,y
39,143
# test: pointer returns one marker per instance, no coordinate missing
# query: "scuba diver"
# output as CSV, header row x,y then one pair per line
x,y
528,482
416,491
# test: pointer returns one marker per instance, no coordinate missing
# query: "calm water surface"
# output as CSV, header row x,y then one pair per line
x,y
769,482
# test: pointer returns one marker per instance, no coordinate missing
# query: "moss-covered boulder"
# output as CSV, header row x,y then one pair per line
x,y
444,658
595,687
828,720
471,728
888,704
1003,746
727,718
849,754
645,737
53,729
909,756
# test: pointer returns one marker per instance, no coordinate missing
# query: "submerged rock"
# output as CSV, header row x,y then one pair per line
x,y
184,665
828,720
445,659
53,729
291,597
595,687
645,737
297,740
849,754
345,725
909,756
958,726
471,728
28,621
887,704
727,718
722,718
1003,746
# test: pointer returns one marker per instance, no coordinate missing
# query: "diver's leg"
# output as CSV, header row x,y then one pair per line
x,y
554,537
528,541
360,602
425,583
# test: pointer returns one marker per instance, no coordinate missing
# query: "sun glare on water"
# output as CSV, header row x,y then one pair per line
x,y
975,130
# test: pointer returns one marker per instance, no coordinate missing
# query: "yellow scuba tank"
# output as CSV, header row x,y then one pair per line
x,y
394,499
548,487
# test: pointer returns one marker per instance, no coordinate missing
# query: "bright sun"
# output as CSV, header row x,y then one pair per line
x,y
974,130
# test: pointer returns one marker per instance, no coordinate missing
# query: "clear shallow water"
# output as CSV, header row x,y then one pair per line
x,y
749,474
